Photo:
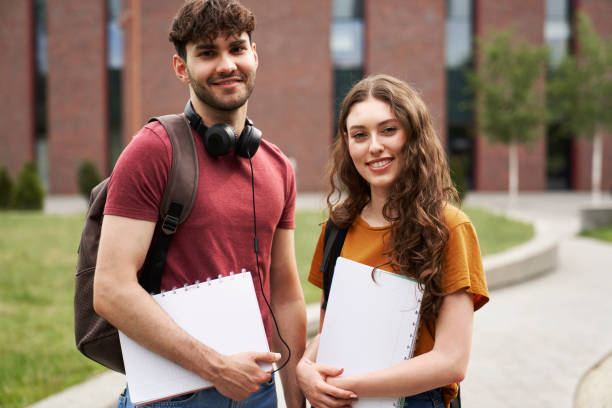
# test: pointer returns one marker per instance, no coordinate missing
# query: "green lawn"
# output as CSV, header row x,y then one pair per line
x,y
603,233
307,231
37,260
497,233
37,352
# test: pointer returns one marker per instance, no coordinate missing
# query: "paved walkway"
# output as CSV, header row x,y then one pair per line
x,y
534,344
534,341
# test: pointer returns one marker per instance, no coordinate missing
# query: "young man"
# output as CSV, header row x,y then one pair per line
x,y
217,60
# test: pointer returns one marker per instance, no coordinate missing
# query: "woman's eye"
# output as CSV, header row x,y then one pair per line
x,y
359,135
389,130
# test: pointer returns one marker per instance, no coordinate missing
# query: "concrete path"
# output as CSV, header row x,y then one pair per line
x,y
534,341
535,344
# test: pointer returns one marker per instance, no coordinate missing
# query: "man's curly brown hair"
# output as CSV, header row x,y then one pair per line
x,y
205,20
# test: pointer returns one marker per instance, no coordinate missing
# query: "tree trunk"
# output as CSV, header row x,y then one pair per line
x,y
513,172
596,167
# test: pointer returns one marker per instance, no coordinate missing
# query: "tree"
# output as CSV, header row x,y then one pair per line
x,y
580,94
87,177
509,94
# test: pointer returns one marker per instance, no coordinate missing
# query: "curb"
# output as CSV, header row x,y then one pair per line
x,y
100,391
534,258
594,389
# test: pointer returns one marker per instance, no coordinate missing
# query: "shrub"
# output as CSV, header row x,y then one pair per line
x,y
29,192
6,188
87,177
457,171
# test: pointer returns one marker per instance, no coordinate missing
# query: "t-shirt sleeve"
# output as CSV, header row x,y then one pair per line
x,y
316,276
139,178
463,265
287,220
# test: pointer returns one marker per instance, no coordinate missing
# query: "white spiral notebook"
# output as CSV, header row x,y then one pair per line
x,y
369,325
222,313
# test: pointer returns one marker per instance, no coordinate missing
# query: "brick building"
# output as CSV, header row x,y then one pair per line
x,y
74,89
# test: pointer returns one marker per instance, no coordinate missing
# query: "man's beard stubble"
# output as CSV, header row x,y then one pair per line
x,y
223,104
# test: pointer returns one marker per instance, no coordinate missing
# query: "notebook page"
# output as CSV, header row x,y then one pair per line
x,y
223,314
368,325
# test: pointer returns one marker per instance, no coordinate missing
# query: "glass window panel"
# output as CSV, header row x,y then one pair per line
x,y
344,79
347,43
557,29
557,9
347,9
458,43
115,35
40,16
458,50
40,90
114,63
459,9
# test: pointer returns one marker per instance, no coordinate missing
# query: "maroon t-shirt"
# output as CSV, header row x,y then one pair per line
x,y
217,237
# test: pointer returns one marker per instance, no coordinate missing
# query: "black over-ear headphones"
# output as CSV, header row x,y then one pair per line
x,y
220,139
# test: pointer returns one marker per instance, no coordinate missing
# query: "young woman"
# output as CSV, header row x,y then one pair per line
x,y
390,170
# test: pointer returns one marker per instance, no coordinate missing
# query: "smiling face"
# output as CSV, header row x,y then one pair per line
x,y
375,138
221,73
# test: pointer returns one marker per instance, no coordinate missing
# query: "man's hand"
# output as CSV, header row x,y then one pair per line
x,y
240,375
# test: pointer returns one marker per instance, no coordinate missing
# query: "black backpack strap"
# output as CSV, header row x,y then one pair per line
x,y
178,199
333,241
456,403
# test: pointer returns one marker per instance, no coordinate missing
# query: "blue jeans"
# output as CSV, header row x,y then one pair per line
x,y
427,399
211,398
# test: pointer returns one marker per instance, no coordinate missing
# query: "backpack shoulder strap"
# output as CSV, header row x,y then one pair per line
x,y
456,403
178,199
182,184
333,241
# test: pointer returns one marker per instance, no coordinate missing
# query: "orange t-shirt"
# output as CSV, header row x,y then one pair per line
x,y
462,266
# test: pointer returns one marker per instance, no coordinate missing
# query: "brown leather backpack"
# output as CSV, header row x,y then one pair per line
x,y
95,337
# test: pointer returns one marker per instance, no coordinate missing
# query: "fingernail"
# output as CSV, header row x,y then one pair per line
x,y
277,355
353,396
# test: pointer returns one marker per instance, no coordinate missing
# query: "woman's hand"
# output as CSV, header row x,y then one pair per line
x,y
341,382
312,380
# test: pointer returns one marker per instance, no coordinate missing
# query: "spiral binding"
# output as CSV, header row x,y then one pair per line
x,y
399,403
414,334
209,282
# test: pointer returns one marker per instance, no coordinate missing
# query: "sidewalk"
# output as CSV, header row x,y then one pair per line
x,y
535,341
542,343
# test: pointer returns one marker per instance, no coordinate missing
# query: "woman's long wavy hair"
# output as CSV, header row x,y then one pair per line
x,y
416,199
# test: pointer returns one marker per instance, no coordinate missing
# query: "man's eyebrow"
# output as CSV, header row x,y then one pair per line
x,y
240,41
206,46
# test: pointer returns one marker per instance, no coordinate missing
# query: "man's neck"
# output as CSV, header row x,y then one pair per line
x,y
211,116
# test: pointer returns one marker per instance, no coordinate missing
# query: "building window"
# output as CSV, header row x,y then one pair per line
x,y
347,48
557,29
40,91
557,34
114,60
458,57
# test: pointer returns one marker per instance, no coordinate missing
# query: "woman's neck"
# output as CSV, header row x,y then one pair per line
x,y
372,213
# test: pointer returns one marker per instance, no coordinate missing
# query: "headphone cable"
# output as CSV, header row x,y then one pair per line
x,y
256,248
